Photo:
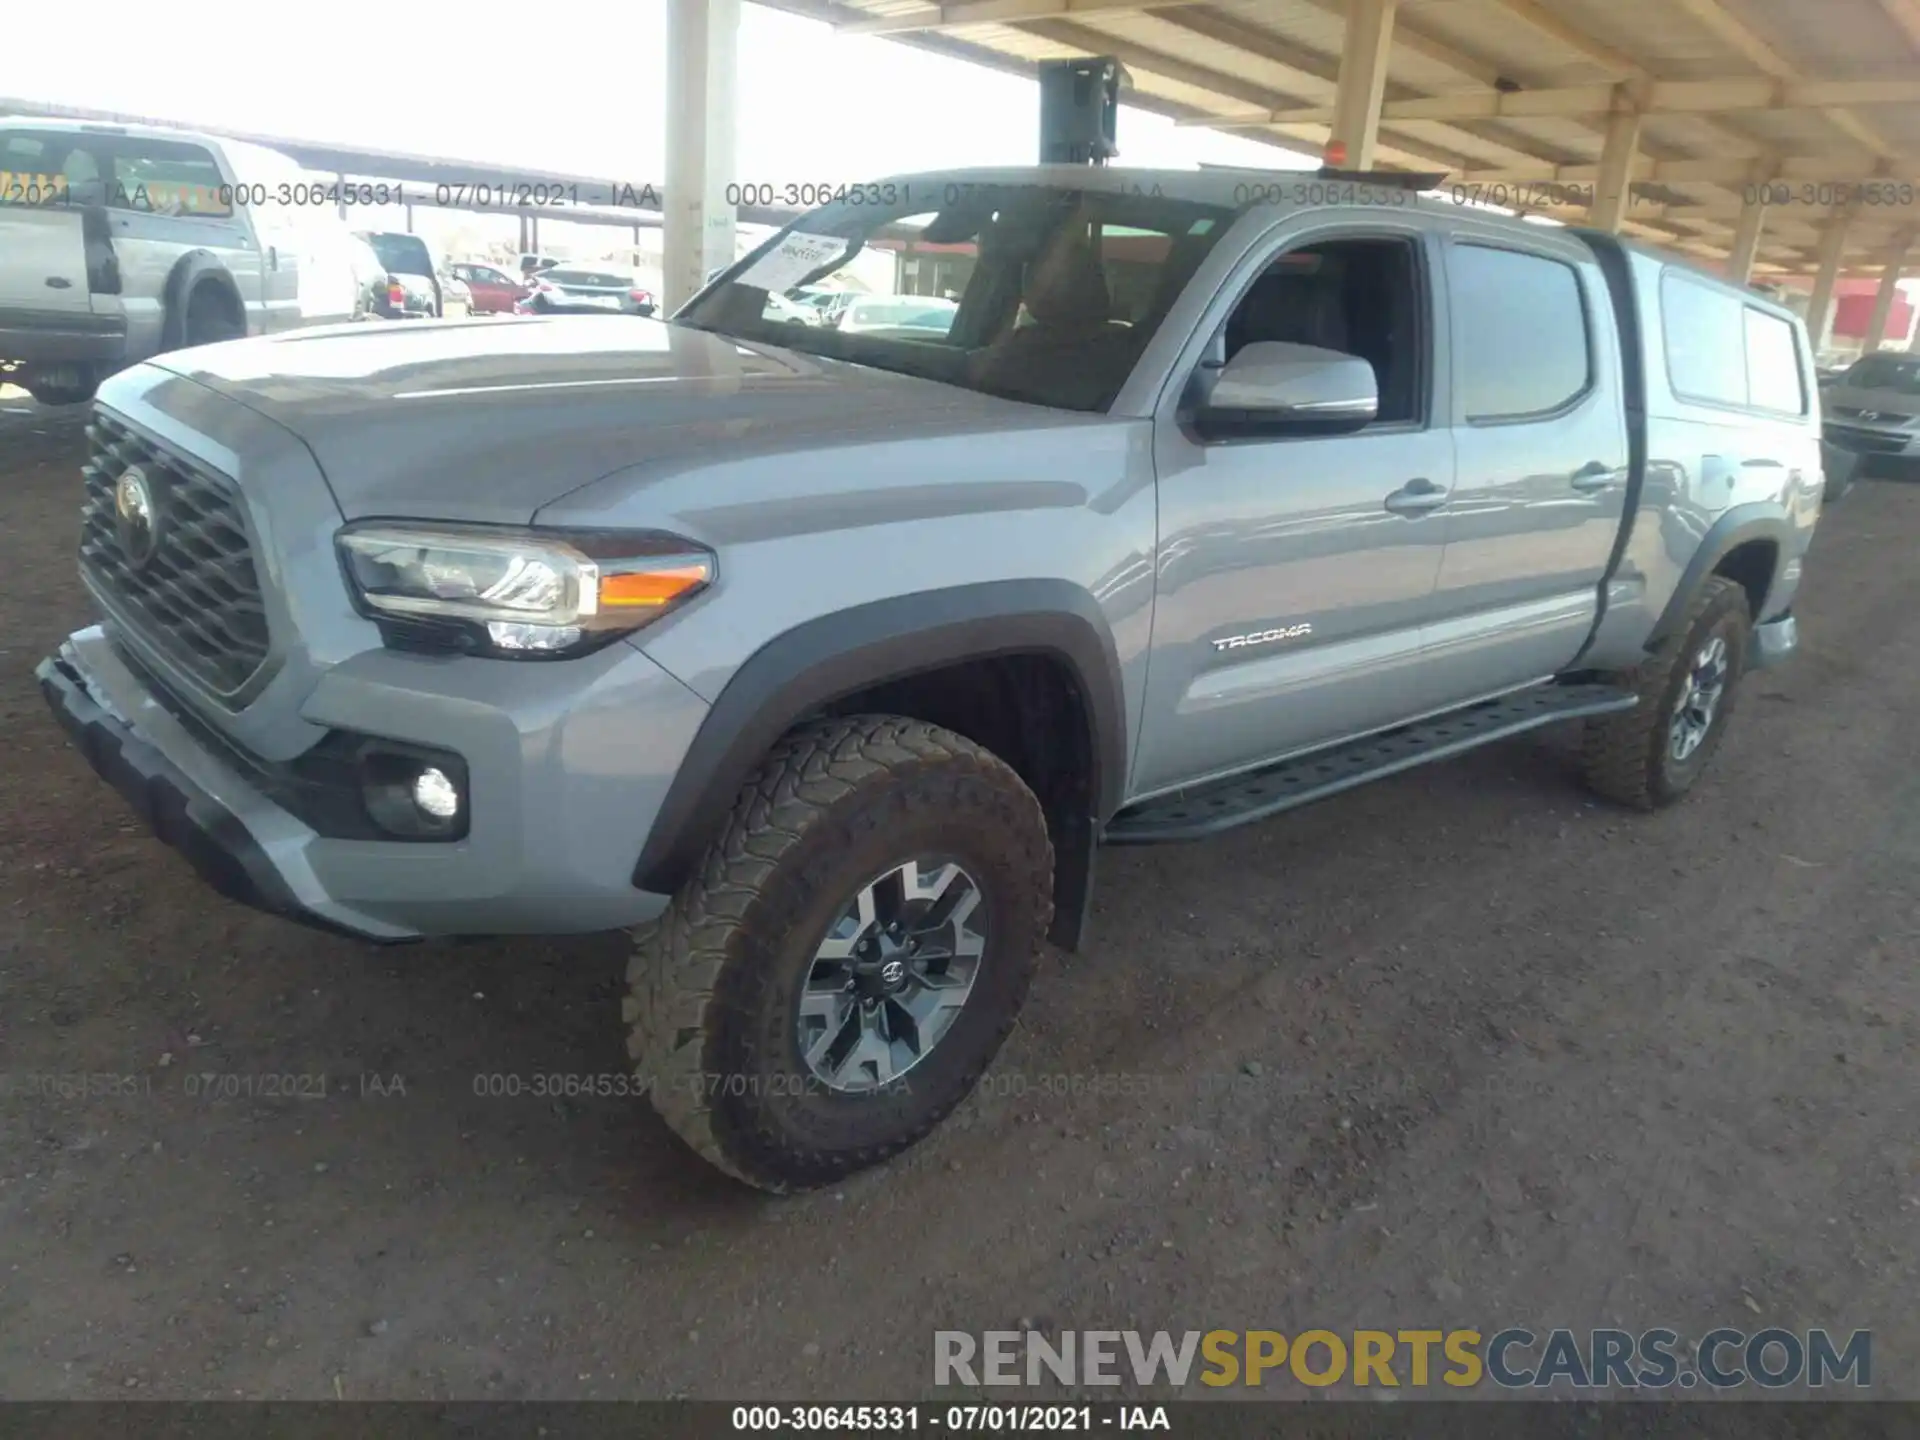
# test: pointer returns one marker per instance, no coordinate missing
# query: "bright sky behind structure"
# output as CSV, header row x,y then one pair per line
x,y
578,88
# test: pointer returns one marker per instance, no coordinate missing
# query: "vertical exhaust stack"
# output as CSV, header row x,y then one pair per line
x,y
1080,110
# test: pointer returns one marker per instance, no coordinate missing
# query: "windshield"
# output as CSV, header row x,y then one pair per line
x,y
1885,372
1042,293
930,314
402,254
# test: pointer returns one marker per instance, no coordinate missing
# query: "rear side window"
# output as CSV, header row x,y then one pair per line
x,y
1723,351
402,254
1773,365
166,177
1706,341
32,172
1525,348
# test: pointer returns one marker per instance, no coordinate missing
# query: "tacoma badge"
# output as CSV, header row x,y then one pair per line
x,y
1263,637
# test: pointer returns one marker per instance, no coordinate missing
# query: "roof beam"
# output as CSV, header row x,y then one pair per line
x,y
1662,97
1248,92
1616,63
1816,168
966,13
1905,14
1363,82
1735,33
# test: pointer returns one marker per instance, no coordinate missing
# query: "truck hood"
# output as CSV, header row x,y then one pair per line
x,y
491,420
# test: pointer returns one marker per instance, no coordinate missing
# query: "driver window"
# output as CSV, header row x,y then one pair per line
x,y
1358,296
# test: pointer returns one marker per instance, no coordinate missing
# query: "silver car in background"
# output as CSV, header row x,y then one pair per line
x,y
1873,409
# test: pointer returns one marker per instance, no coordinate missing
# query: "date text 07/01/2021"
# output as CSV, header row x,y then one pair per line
x,y
955,1419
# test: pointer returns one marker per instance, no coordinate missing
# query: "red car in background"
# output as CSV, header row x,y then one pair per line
x,y
494,291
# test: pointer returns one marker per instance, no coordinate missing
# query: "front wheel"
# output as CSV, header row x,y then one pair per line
x,y
849,958
1651,756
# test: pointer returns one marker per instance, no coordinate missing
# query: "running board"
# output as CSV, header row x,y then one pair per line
x,y
1208,809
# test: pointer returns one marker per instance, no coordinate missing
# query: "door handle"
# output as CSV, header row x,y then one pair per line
x,y
1416,497
1594,475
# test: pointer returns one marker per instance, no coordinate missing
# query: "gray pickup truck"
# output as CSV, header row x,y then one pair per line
x,y
826,661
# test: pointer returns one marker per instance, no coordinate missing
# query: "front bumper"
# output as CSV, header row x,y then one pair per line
x,y
178,811
566,773
1865,440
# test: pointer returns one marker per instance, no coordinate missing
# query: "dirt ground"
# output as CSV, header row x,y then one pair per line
x,y
1461,1049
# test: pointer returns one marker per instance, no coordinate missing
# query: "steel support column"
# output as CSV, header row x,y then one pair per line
x,y
1833,246
1363,81
1746,242
1613,189
1889,291
702,39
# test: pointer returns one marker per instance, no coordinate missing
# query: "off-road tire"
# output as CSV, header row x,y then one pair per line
x,y
712,986
1626,757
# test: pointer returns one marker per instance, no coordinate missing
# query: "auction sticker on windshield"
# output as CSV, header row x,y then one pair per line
x,y
795,258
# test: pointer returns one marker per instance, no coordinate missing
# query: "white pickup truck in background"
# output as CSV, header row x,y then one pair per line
x,y
121,242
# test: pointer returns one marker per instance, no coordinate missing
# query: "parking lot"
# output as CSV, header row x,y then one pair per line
x,y
1460,1049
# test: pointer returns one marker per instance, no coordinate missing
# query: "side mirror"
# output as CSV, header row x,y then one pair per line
x,y
1278,387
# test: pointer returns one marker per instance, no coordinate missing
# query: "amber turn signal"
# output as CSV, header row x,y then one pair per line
x,y
652,588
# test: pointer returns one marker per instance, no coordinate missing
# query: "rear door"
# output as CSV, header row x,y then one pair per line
x,y
43,256
1540,444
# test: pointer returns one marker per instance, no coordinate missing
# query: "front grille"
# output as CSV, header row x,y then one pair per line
x,y
1866,441
1878,417
196,598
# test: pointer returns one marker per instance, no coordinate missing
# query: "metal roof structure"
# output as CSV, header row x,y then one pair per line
x,y
435,181
1705,100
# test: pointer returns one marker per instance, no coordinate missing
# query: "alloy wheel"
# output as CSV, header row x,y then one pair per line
x,y
892,975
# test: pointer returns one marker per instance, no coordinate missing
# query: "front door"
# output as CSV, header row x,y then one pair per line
x,y
1293,573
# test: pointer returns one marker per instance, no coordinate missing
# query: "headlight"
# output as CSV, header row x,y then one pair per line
x,y
516,593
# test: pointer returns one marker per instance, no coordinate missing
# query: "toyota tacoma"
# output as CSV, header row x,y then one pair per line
x,y
826,661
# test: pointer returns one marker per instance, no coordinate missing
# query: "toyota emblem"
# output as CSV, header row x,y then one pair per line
x,y
135,515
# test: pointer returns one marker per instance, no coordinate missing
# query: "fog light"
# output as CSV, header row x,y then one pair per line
x,y
435,794
414,792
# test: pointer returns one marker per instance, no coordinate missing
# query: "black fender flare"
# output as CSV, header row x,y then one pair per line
x,y
1759,520
824,659
195,268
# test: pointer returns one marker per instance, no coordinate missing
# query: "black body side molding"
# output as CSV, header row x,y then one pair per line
x,y
811,666
188,271
1756,521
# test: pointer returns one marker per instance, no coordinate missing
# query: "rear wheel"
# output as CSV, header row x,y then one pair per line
x,y
850,957
1652,755
211,318
60,393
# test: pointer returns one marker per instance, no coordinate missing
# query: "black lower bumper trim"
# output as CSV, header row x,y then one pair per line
x,y
183,816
